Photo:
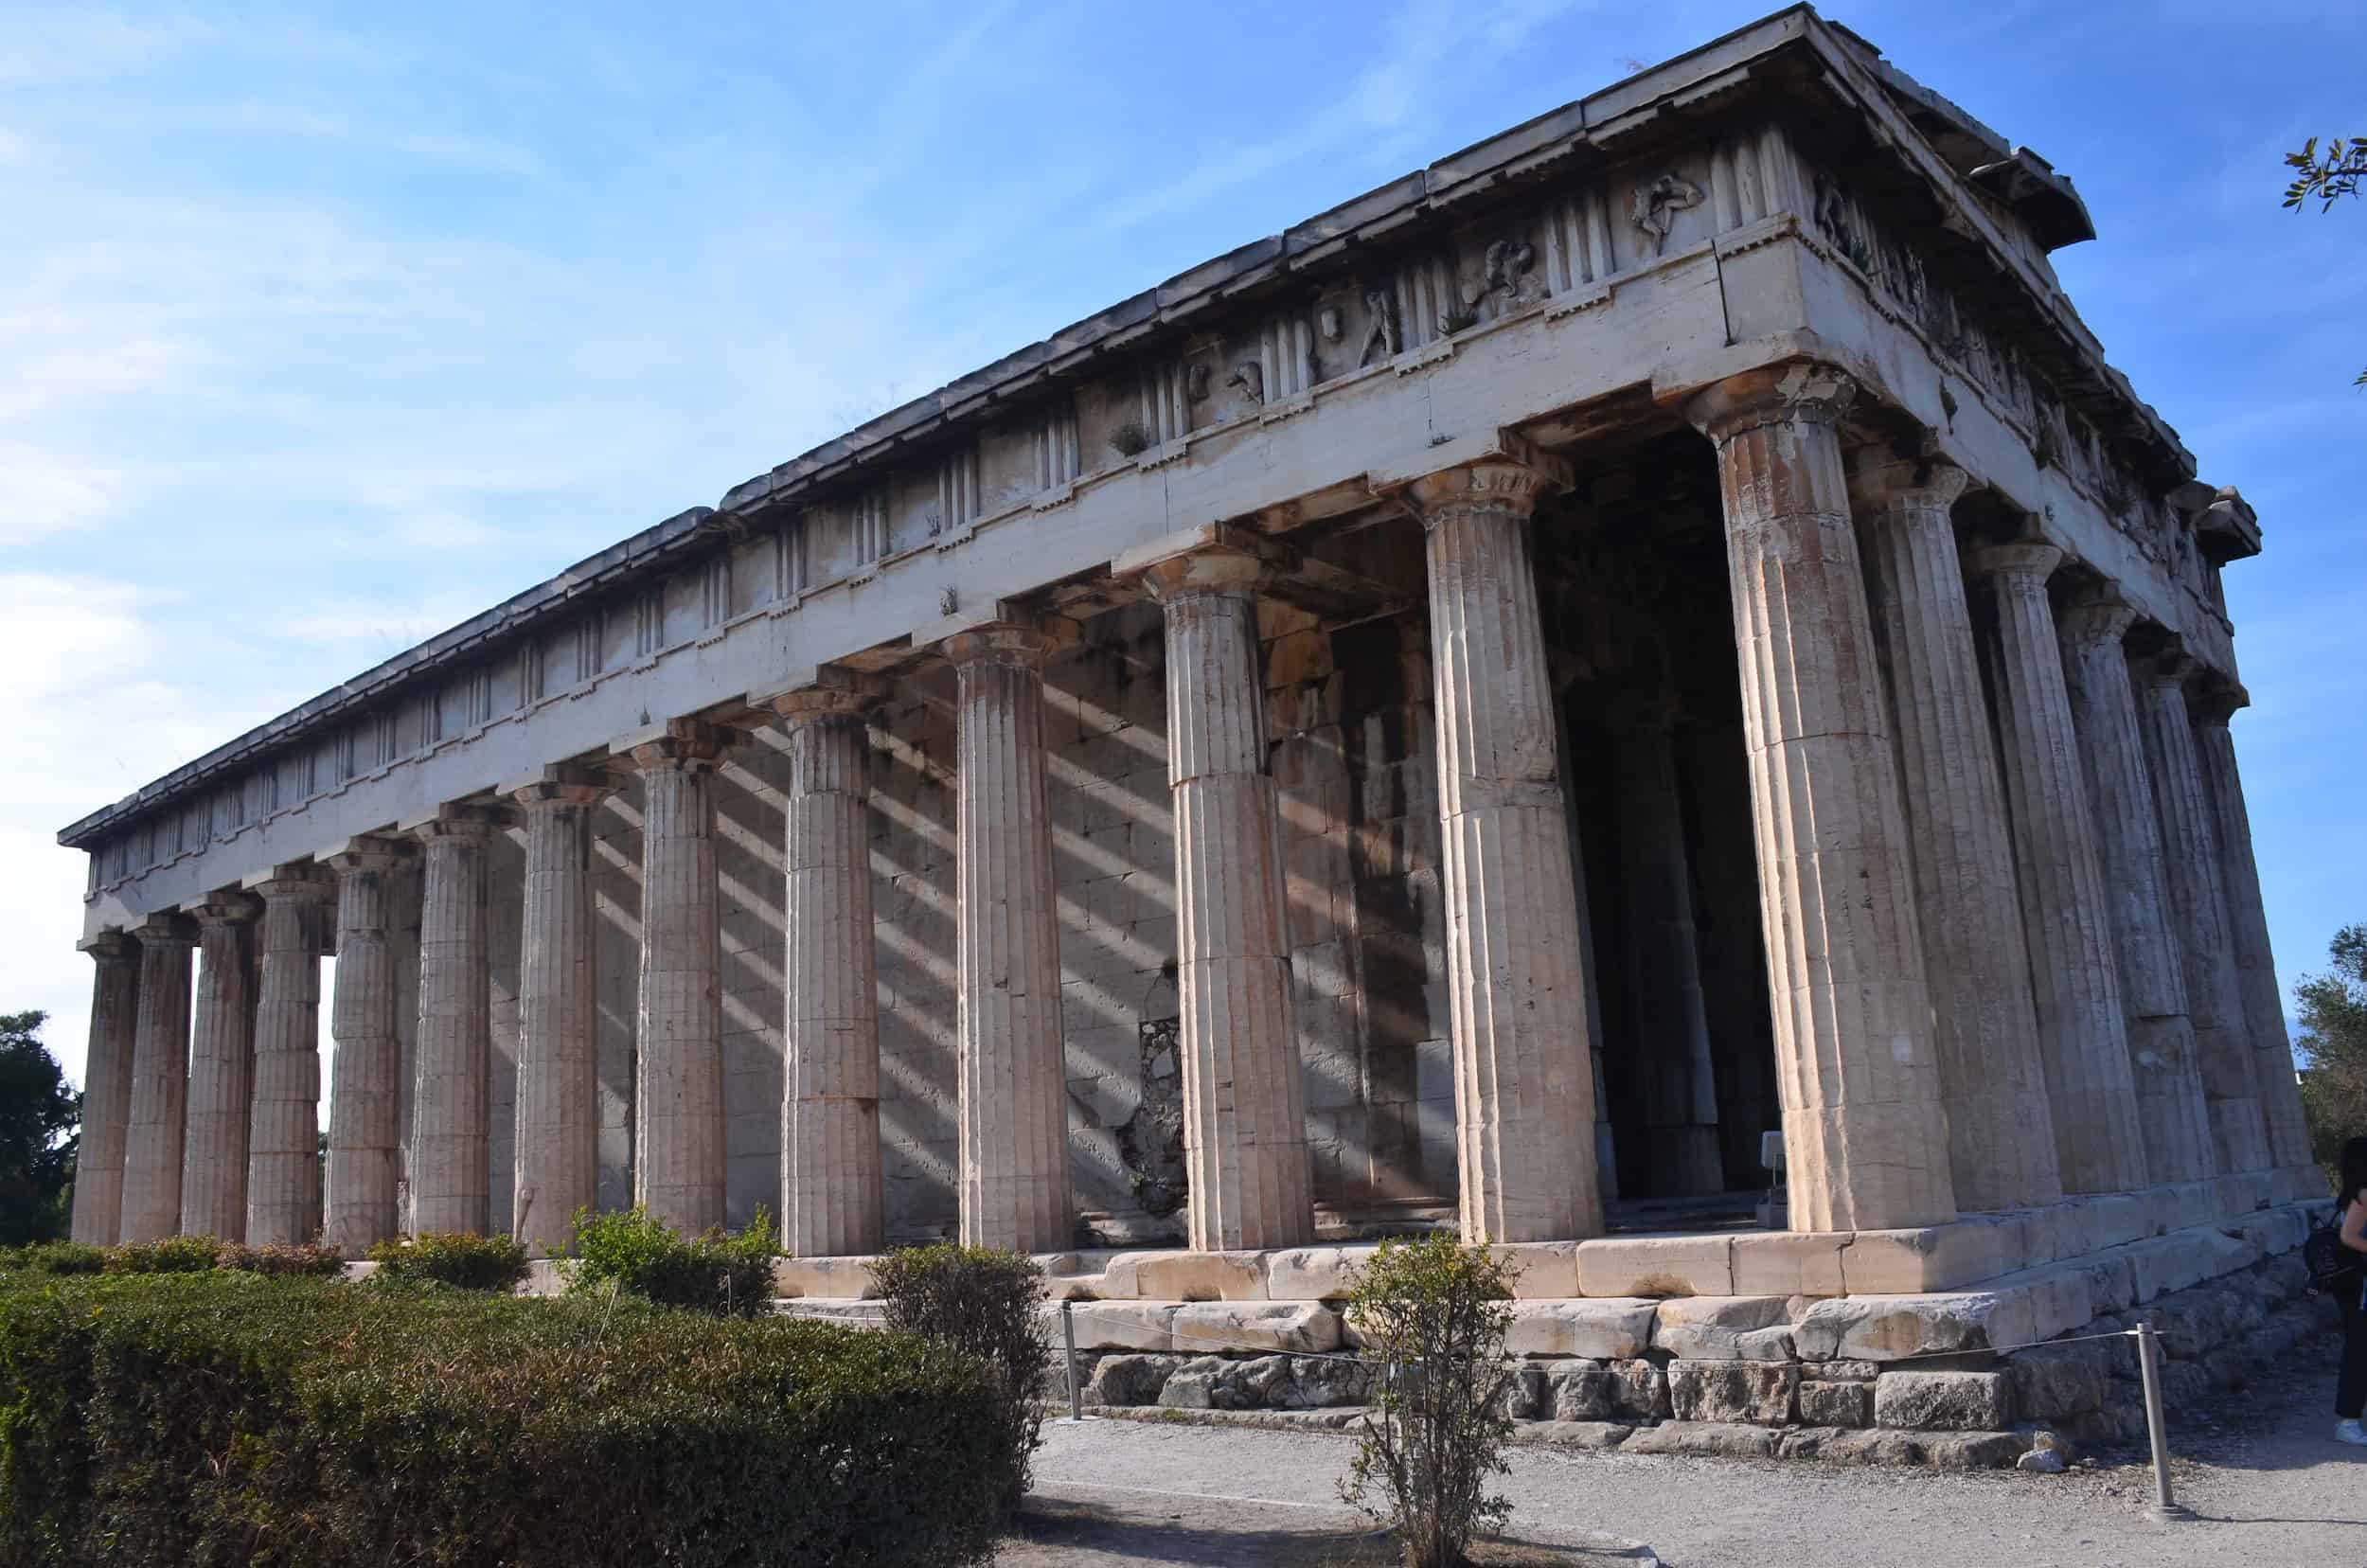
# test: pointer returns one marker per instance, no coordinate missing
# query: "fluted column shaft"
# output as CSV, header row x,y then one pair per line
x,y
366,1095
831,1197
222,1073
1244,1105
1985,1022
1013,1147
156,1125
453,1055
2168,1081
1864,1131
1672,1037
557,1144
283,1181
106,1089
2190,857
2248,917
678,1102
2083,1038
1524,1080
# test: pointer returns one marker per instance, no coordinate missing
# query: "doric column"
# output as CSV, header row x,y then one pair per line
x,y
2190,858
155,1126
1523,1076
832,1199
558,1144
2000,1136
2128,853
221,1071
365,1097
1013,1176
1864,1132
283,1181
2248,919
106,1089
1672,1034
2083,1038
453,1060
1244,1106
678,1101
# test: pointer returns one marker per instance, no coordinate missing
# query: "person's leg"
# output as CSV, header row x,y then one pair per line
x,y
2350,1385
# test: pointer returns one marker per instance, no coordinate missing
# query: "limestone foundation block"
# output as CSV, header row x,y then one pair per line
x,y
1936,1257
1864,1131
2162,1063
155,1127
1244,1115
1984,1024
1012,1175
2067,917
1942,1402
1540,1270
1117,1325
1724,1329
2190,855
283,1183
1316,1273
1886,1329
832,1201
1837,1404
106,1089
1601,1330
1656,1266
1189,1275
366,1095
1807,1263
1759,1393
452,1058
846,1278
1525,1089
221,1072
678,1095
556,1157
1254,1325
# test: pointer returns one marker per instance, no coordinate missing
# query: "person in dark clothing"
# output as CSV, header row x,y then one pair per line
x,y
2350,1384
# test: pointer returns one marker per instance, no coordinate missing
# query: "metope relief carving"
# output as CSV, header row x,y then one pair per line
x,y
1381,331
1507,269
1656,204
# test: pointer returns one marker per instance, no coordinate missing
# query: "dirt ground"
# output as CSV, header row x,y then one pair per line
x,y
2263,1479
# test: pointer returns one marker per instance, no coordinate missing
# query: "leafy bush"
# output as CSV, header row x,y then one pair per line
x,y
172,1255
637,1253
453,1257
224,1419
982,1301
55,1257
282,1258
1431,1317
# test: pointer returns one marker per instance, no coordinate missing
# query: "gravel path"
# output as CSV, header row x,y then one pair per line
x,y
2264,1482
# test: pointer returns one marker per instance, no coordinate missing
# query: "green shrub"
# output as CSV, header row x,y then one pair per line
x,y
282,1258
985,1302
453,1257
222,1418
1429,1317
55,1257
641,1255
172,1255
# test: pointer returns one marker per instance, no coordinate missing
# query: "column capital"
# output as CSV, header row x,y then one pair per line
x,y
365,853
563,784
2217,702
2096,620
1000,642
1217,557
473,821
166,929
1499,484
1798,389
1879,478
831,691
110,947
2172,667
677,744
2031,558
227,906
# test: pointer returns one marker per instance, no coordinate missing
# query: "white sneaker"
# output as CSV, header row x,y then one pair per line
x,y
2350,1432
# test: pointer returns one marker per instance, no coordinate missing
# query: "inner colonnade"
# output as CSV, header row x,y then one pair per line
x,y
1991,946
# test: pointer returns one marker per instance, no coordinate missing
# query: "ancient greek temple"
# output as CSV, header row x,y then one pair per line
x,y
1658,629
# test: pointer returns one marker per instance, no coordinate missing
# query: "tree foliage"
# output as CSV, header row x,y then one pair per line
x,y
2325,177
2334,1046
39,1115
1430,1316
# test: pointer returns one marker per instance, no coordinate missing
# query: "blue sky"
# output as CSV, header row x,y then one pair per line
x,y
321,329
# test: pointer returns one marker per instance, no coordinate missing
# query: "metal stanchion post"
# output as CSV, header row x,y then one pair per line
x,y
1068,1333
2149,1363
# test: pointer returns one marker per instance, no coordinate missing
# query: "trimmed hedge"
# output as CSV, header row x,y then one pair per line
x,y
451,1257
641,1255
225,1418
981,1301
